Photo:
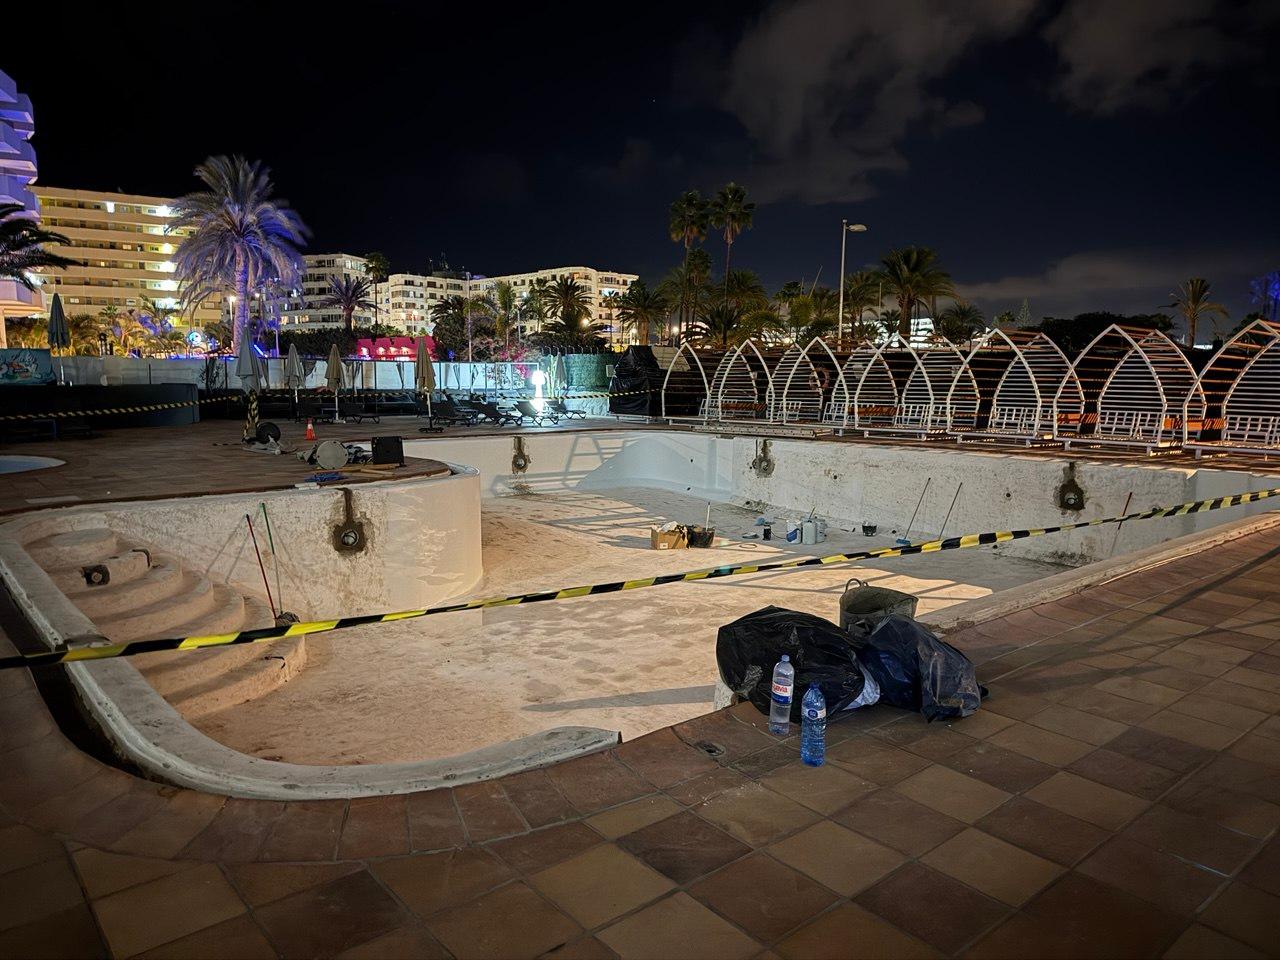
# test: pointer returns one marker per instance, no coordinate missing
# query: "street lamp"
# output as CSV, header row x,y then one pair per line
x,y
846,228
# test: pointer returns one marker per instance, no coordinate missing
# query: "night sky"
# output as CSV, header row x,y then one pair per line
x,y
1087,154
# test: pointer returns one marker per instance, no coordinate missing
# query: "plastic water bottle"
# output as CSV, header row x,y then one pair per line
x,y
784,685
813,727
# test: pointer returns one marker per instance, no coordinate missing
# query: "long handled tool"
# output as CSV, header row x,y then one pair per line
x,y
275,557
1116,539
905,539
952,507
252,536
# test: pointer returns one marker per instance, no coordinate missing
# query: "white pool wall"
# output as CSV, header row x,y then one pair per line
x,y
849,483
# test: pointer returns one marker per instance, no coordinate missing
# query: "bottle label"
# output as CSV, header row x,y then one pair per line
x,y
781,692
812,714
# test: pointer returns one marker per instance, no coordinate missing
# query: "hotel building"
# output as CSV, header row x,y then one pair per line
x,y
305,310
17,174
124,249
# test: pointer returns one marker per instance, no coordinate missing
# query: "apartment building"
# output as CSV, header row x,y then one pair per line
x,y
124,246
305,310
405,299
17,174
599,285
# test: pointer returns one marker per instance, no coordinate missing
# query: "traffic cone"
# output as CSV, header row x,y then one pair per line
x,y
311,430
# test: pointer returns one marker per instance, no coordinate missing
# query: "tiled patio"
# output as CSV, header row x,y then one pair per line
x,y
1118,795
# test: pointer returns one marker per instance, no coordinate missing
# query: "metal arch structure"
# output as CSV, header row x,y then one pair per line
x,y
924,411
1241,388
880,386
1017,375
741,388
693,375
807,376
1137,387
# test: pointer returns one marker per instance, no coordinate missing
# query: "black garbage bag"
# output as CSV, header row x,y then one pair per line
x,y
748,649
917,671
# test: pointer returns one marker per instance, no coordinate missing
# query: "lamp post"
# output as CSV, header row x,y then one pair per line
x,y
846,228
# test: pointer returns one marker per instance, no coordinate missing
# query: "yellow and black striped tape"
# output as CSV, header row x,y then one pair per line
x,y
134,648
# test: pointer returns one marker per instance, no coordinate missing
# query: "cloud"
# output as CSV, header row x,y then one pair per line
x,y
828,89
638,162
1137,54
1124,280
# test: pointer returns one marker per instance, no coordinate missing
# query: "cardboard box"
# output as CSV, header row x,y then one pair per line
x,y
676,539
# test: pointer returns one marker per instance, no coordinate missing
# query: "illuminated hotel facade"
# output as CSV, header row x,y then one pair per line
x,y
17,174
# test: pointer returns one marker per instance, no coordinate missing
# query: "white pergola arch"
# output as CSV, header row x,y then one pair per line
x,y
877,375
1137,387
807,377
1017,375
690,378
1241,387
741,388
924,408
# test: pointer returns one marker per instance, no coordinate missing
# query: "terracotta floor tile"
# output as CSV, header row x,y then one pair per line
x,y
619,821
1224,691
262,883
1257,749
755,765
306,830
1258,679
845,861
1113,769
981,724
410,942
933,907
695,791
952,793
330,918
169,829
1157,877
1078,917
825,789
597,781
237,833
999,869
1263,871
486,811
1210,650
430,882
1141,690
20,846
103,873
1192,839
600,884
1167,752
999,767
511,923
1078,724
530,852
69,935
375,827
683,846
1199,942
584,948
895,821
165,909
1229,808
1192,663
434,820
1038,744
1013,705
933,741
1043,831
732,739
678,926
1201,733
33,893
664,759
1250,916
537,798
755,815
1103,806
232,939
762,896
1209,707
851,932
875,761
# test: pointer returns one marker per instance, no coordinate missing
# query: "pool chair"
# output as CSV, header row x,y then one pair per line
x,y
559,409
528,411
446,411
490,412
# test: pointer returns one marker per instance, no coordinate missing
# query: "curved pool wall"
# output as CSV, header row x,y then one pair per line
x,y
850,483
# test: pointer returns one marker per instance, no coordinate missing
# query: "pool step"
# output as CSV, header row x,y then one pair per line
x,y
161,581
194,597
73,548
126,566
272,666
172,672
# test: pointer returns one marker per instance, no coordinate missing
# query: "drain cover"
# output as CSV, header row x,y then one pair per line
x,y
709,748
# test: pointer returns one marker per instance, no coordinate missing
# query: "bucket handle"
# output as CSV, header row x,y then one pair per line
x,y
861,583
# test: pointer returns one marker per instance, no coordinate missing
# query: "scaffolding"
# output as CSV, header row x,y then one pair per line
x,y
1241,390
1017,375
1138,390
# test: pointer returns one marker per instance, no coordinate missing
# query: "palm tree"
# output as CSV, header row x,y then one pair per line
x,y
503,305
689,219
640,309
532,310
743,290
724,325
455,322
913,276
348,294
377,268
153,316
862,292
22,243
568,301
240,233
1192,298
959,322
731,213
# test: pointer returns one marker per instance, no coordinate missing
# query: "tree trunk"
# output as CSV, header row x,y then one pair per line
x,y
1191,328
728,253
904,318
240,320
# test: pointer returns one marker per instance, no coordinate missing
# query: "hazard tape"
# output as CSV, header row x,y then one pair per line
x,y
134,648
177,405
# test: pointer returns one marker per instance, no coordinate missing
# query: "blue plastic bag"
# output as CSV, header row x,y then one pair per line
x,y
917,671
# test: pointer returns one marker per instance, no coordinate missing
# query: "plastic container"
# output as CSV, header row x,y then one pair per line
x,y
784,685
813,727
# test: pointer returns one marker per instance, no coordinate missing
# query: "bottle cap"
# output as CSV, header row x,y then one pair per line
x,y
785,658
